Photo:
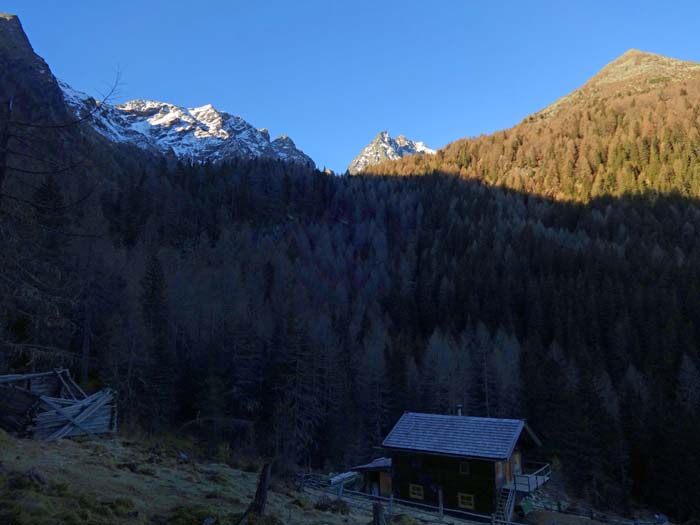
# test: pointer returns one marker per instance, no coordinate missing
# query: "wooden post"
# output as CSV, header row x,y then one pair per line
x,y
378,514
440,502
340,490
391,504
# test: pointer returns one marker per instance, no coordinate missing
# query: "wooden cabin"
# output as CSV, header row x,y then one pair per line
x,y
465,463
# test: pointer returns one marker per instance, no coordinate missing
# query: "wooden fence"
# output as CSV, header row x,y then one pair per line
x,y
395,506
437,514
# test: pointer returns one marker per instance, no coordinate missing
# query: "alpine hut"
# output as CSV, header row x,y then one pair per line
x,y
472,464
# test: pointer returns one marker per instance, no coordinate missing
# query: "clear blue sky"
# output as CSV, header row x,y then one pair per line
x,y
333,73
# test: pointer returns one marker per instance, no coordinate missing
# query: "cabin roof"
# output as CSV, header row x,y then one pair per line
x,y
375,464
464,436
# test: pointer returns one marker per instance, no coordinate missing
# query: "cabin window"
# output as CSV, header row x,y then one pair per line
x,y
415,491
464,468
465,501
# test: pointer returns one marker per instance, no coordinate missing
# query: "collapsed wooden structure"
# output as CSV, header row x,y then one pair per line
x,y
50,406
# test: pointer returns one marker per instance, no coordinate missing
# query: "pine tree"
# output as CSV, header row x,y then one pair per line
x,y
160,379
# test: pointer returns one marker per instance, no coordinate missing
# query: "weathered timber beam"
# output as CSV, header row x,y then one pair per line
x,y
59,375
105,398
13,378
69,417
70,385
73,406
104,427
58,419
61,401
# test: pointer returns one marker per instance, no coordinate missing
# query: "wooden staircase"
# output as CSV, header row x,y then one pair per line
x,y
504,505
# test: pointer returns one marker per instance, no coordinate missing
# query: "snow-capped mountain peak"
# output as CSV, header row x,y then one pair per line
x,y
199,134
383,147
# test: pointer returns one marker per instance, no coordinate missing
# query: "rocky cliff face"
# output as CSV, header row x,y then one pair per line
x,y
26,82
382,148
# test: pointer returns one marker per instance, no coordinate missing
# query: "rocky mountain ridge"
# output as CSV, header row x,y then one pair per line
x,y
384,147
200,134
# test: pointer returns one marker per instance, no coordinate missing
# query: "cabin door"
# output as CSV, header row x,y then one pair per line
x,y
374,490
517,462
385,484
500,474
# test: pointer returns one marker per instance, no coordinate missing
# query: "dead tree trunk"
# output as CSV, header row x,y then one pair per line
x,y
257,506
260,500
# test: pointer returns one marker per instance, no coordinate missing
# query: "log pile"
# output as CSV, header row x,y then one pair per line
x,y
50,406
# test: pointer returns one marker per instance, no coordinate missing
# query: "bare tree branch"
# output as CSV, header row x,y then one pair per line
x,y
52,208
46,172
96,109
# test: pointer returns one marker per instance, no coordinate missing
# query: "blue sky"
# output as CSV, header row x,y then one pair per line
x,y
332,74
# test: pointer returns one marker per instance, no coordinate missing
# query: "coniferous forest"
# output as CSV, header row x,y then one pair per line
x,y
548,272
320,308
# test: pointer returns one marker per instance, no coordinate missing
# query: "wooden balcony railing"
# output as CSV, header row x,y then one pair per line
x,y
534,476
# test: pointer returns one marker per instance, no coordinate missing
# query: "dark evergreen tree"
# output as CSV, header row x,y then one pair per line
x,y
161,376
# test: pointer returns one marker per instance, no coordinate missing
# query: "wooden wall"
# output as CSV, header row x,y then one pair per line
x,y
433,472
380,480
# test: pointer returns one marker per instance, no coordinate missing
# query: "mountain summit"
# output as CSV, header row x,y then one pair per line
x,y
383,147
13,40
25,78
633,73
635,64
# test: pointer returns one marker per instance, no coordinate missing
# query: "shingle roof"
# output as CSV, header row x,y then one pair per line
x,y
375,464
475,437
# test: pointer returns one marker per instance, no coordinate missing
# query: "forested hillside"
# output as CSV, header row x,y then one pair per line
x,y
321,308
633,128
550,272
